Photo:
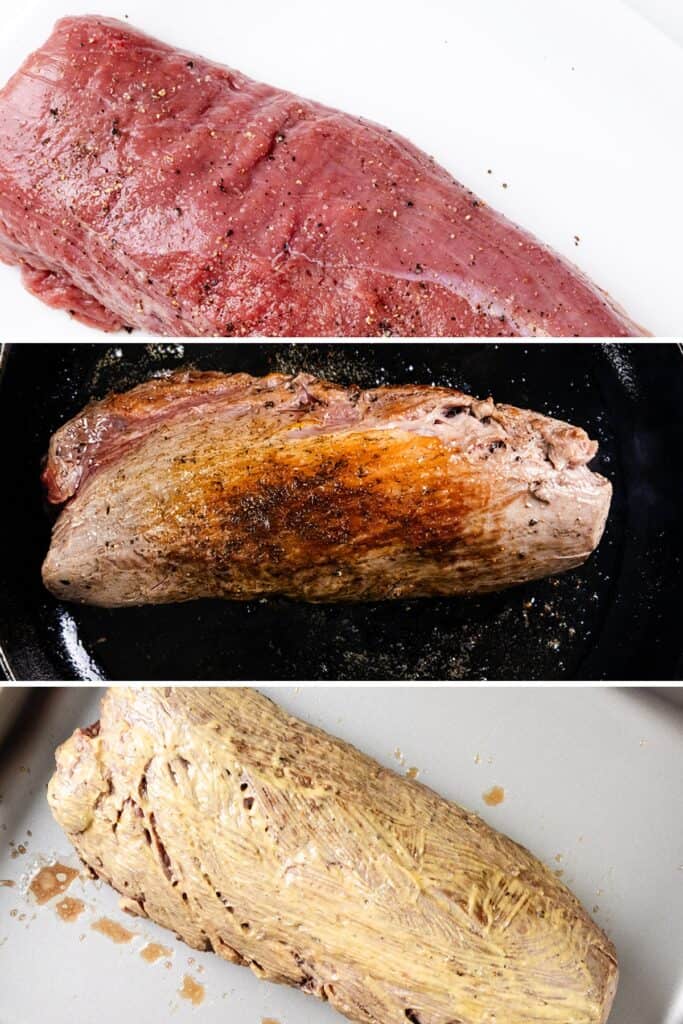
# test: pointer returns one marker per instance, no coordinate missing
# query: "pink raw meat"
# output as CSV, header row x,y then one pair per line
x,y
146,187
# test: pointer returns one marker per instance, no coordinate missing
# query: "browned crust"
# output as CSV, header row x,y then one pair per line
x,y
239,487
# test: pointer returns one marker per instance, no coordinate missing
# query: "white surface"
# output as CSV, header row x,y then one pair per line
x,y
592,777
575,104
667,15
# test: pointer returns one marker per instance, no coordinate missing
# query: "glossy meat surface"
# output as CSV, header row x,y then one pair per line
x,y
246,831
226,485
144,186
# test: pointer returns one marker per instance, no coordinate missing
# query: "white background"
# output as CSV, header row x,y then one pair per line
x,y
576,104
591,776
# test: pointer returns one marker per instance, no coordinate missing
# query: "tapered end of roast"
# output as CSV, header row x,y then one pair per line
x,y
609,974
60,577
78,781
68,573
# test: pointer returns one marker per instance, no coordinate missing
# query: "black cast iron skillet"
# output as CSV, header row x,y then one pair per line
x,y
617,617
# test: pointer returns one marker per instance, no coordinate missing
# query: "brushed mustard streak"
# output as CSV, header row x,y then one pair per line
x,y
280,847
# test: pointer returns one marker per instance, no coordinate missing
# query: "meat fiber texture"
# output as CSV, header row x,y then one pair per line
x,y
214,485
252,834
142,186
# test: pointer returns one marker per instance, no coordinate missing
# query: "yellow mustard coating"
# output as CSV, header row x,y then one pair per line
x,y
249,832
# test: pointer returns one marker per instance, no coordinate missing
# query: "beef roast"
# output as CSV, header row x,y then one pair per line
x,y
143,186
206,484
246,831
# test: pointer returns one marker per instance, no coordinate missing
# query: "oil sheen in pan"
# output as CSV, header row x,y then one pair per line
x,y
612,618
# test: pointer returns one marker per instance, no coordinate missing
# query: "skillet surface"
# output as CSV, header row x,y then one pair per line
x,y
617,617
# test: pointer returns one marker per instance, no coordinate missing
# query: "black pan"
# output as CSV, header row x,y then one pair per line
x,y
617,617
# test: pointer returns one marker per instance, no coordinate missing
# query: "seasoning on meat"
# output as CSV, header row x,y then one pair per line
x,y
215,485
142,187
247,832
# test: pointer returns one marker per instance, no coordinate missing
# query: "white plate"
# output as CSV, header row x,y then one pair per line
x,y
593,786
575,105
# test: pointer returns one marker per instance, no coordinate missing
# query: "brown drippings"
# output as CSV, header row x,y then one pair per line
x,y
269,1020
412,772
7,883
153,952
51,881
192,990
494,796
113,930
70,909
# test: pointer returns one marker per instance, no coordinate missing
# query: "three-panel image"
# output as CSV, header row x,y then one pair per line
x,y
341,587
